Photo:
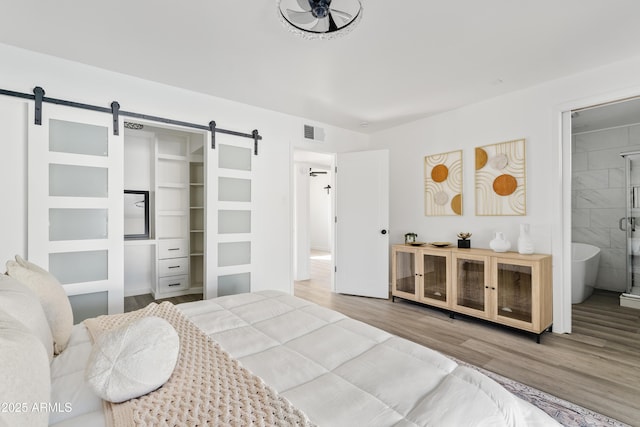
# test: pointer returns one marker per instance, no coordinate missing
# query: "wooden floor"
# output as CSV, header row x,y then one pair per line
x,y
597,366
141,301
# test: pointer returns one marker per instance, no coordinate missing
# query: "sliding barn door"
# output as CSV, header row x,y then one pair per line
x,y
75,211
231,222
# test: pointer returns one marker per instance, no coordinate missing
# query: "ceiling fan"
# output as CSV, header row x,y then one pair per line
x,y
319,18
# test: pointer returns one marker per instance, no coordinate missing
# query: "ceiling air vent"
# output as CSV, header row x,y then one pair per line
x,y
314,133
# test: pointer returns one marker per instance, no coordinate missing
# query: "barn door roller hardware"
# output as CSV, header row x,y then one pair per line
x,y
39,98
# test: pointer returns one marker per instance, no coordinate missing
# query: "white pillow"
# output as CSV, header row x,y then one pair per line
x,y
22,303
25,382
51,295
133,360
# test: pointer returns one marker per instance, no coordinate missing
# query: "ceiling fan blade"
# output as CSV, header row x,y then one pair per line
x,y
344,16
322,26
304,5
332,24
302,18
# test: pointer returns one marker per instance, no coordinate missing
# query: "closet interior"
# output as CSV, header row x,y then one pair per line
x,y
169,165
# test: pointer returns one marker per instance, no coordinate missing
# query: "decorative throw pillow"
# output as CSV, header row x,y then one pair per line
x,y
51,295
25,379
22,303
133,360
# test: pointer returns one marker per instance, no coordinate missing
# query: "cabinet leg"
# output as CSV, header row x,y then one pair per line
x,y
538,338
452,315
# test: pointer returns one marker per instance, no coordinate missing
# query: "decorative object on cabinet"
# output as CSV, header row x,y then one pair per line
x,y
525,243
463,242
136,214
440,244
443,184
501,179
499,243
410,238
507,288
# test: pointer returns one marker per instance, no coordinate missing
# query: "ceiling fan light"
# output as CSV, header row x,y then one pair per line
x,y
314,26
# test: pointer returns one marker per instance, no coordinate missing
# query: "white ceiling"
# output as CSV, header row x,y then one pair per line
x,y
405,60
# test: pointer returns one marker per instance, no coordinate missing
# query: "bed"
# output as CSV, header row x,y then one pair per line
x,y
334,370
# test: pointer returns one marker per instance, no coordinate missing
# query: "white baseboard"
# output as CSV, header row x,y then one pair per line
x,y
629,301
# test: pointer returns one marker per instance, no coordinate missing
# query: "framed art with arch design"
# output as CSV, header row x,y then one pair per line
x,y
501,179
443,184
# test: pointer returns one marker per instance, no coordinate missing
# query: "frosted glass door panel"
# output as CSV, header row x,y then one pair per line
x,y
78,267
77,224
234,221
78,138
232,284
78,181
234,189
231,157
234,253
85,306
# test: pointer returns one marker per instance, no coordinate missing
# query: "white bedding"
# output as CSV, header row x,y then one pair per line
x,y
337,370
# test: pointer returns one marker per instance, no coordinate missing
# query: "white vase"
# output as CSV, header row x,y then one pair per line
x,y
525,244
499,243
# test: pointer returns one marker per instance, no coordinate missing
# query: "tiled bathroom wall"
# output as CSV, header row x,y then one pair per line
x,y
598,198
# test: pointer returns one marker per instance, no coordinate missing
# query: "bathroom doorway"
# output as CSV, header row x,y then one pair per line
x,y
314,228
600,223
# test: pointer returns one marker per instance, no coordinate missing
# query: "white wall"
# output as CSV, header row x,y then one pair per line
x,y
533,114
22,70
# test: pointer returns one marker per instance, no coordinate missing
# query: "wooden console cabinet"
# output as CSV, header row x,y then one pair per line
x,y
506,288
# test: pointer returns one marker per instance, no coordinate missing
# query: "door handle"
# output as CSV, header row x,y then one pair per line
x,y
627,220
383,231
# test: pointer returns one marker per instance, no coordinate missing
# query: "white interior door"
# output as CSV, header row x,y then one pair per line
x,y
75,213
362,238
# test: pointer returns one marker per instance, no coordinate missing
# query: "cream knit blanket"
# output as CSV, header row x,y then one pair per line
x,y
208,387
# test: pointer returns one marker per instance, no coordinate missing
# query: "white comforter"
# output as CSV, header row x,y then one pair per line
x,y
337,370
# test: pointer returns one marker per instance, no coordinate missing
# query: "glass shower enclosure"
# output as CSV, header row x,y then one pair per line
x,y
629,224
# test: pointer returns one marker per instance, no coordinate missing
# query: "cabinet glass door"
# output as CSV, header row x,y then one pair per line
x,y
434,270
470,283
514,291
405,272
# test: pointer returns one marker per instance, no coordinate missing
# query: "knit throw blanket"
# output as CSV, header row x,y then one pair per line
x,y
207,387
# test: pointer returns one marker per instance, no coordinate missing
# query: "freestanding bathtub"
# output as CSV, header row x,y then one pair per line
x,y
584,270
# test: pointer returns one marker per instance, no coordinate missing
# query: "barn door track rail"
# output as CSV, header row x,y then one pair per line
x,y
39,98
